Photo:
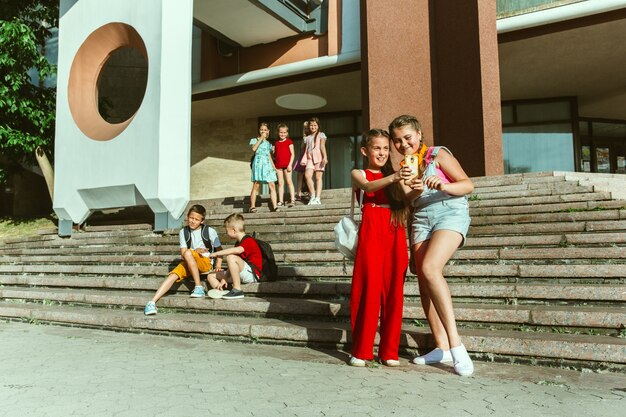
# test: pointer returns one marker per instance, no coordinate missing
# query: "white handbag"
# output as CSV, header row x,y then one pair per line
x,y
347,231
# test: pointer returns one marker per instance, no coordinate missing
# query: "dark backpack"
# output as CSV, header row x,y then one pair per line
x,y
270,270
204,232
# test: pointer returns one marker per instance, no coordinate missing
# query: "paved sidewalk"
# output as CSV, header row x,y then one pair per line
x,y
59,371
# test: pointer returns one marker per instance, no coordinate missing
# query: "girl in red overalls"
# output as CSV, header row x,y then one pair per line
x,y
382,255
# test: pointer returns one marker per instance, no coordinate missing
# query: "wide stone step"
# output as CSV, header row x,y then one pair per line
x,y
568,316
476,271
504,293
601,215
288,255
521,197
547,240
591,234
599,197
88,234
592,351
554,254
551,227
155,243
569,207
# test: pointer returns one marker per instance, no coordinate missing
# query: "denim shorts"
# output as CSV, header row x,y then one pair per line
x,y
451,214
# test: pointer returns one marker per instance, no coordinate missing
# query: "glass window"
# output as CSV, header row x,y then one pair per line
x,y
507,115
538,148
341,161
603,160
541,112
583,128
196,55
609,130
337,125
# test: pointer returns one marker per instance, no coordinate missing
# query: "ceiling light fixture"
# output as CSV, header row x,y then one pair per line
x,y
301,101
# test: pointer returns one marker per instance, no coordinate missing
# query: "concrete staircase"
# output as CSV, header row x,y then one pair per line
x,y
542,278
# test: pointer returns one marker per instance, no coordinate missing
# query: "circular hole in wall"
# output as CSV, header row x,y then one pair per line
x,y
122,85
101,95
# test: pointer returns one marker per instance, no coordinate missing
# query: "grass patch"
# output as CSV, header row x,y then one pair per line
x,y
15,227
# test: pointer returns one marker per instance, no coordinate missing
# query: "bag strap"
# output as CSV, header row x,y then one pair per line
x,y
257,271
354,198
206,237
187,234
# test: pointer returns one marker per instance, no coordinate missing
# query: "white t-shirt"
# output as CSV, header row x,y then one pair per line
x,y
196,239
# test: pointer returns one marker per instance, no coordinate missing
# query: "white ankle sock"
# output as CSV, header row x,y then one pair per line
x,y
462,362
436,355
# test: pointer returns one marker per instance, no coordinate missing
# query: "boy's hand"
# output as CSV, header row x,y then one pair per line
x,y
202,250
222,284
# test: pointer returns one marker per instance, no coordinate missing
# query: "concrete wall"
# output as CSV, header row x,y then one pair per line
x,y
220,158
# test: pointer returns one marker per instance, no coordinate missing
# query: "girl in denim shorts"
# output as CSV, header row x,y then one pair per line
x,y
439,225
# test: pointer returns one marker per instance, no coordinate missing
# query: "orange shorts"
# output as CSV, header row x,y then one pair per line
x,y
204,265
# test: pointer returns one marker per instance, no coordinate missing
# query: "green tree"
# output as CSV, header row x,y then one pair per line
x,y
26,109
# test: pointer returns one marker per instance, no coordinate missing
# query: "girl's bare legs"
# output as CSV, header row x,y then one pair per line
x,y
281,184
253,193
272,187
289,182
431,257
308,176
299,184
318,183
436,327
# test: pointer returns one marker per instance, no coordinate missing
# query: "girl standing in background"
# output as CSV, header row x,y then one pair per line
x,y
263,169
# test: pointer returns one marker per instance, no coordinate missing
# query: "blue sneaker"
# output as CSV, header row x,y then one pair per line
x,y
150,309
198,292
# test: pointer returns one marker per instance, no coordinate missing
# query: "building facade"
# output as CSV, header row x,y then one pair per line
x,y
509,86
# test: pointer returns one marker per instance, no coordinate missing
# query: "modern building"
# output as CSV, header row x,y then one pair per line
x,y
509,85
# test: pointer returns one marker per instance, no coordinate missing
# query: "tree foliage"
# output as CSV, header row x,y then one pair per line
x,y
26,109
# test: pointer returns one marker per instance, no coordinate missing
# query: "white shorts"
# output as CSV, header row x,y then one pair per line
x,y
247,275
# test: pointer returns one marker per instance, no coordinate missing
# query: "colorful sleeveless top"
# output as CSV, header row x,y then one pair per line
x,y
430,196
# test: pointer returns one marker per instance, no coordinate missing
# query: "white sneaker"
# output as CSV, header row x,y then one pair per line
x,y
215,293
463,365
356,362
392,363
436,355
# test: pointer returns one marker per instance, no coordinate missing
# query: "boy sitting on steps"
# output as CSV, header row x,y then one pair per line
x,y
239,259
197,241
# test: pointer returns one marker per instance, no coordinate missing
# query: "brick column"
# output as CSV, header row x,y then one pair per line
x,y
437,60
395,62
466,83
